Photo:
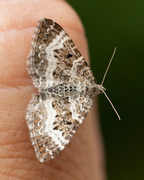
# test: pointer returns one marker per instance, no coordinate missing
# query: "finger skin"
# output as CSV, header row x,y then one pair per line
x,y
82,158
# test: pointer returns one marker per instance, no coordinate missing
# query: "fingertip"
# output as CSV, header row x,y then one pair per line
x,y
27,13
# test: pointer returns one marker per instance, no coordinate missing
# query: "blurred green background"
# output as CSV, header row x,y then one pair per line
x,y
120,23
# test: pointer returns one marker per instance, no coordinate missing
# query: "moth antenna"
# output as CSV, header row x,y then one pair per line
x,y
112,105
108,66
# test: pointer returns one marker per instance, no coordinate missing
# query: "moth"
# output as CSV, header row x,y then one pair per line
x,y
66,88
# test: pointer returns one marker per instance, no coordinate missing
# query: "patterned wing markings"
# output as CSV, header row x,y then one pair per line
x,y
53,122
54,57
65,89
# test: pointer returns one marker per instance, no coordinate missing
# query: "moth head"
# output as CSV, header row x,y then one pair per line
x,y
100,89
